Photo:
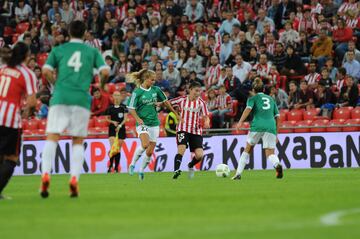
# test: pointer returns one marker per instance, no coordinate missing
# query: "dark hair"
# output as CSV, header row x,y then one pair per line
x,y
95,89
15,56
194,84
77,29
342,71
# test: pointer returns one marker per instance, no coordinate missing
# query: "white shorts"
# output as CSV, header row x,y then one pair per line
x,y
70,118
268,139
153,132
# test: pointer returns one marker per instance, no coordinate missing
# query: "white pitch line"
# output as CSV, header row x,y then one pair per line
x,y
333,218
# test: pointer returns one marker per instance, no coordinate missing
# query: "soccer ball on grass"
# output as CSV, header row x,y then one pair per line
x,y
222,171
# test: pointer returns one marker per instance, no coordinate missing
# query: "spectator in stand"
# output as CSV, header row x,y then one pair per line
x,y
262,19
332,70
254,56
111,63
137,61
23,12
91,40
227,25
245,45
279,57
322,48
55,9
341,36
293,65
226,48
172,75
289,36
303,48
213,73
194,63
99,103
312,78
352,66
154,31
352,47
280,97
183,57
46,41
306,97
325,77
224,103
173,9
130,37
284,10
307,22
222,77
194,11
349,94
340,81
324,96
161,82
231,82
263,69
212,102
294,95
241,69
68,14
123,68
235,51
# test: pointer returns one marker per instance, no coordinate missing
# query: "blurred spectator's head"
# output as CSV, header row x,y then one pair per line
x,y
251,28
303,85
270,37
208,52
292,86
214,60
77,29
37,71
273,90
236,29
340,23
108,15
261,14
303,36
154,21
263,59
159,66
312,66
184,72
55,4
122,57
130,34
262,48
109,60
160,43
58,17
27,39
65,5
325,73
341,73
242,36
279,48
171,66
290,50
170,3
222,90
159,75
154,58
351,45
267,27
288,25
211,94
229,71
170,33
95,10
350,56
193,52
96,93
323,34
239,60
229,15
193,3
349,81
329,62
226,38
145,65
321,87
183,54
21,3
253,52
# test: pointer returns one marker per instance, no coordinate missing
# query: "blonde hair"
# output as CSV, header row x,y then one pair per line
x,y
139,77
258,85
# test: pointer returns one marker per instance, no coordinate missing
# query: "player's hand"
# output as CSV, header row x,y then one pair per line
x,y
239,125
179,118
207,124
140,121
115,123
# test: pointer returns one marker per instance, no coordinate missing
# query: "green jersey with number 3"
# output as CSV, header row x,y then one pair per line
x,y
143,102
264,112
75,63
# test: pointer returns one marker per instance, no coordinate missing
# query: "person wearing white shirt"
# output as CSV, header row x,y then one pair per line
x,y
194,11
352,66
172,75
226,48
241,69
22,11
163,50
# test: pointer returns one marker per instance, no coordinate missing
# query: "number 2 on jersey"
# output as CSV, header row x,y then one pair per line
x,y
4,85
266,103
75,61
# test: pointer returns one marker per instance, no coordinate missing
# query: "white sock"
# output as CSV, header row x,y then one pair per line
x,y
48,156
242,162
145,163
138,152
274,160
77,160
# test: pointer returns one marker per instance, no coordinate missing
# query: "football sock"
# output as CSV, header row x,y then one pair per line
x,y
111,161
139,151
242,162
177,162
77,161
6,171
117,161
193,162
145,163
48,156
274,160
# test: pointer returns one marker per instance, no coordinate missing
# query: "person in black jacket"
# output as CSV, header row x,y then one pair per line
x,y
324,95
349,94
293,65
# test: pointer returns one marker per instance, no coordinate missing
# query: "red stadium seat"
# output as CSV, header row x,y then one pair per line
x,y
284,127
162,132
311,114
111,88
324,122
8,31
42,124
130,131
295,115
22,27
24,123
351,128
41,59
120,86
333,123
15,38
245,125
283,115
101,122
303,123
131,121
92,123
32,124
342,113
355,113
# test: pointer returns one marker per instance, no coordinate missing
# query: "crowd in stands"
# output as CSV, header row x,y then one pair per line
x,y
305,51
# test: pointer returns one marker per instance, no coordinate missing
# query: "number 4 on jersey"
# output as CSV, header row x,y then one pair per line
x,y
75,61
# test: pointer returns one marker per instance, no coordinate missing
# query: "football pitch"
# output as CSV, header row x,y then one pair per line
x,y
315,203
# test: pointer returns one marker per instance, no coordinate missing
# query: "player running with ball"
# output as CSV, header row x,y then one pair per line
x,y
189,131
142,106
263,126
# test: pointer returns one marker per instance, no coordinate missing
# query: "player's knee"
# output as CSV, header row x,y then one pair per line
x,y
145,145
248,148
181,150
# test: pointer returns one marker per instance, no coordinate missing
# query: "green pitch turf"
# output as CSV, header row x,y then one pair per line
x,y
119,206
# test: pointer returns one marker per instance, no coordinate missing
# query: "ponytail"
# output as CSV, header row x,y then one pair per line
x,y
139,77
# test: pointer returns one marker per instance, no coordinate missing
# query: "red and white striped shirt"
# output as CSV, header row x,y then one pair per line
x,y
96,43
270,47
312,78
212,104
340,84
14,84
352,23
120,12
307,25
212,75
262,70
347,6
224,101
190,112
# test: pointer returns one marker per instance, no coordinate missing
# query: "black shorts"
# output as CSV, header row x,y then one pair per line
x,y
10,141
121,133
193,141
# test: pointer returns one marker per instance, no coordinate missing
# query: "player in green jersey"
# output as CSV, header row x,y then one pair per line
x,y
70,104
263,126
142,105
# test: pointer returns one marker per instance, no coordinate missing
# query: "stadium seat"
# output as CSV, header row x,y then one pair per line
x,y
101,122
162,132
24,123
351,128
323,122
283,115
130,131
286,127
234,111
131,121
8,31
355,113
311,114
120,85
245,125
111,88
342,113
335,122
22,27
303,123
92,122
41,59
295,115
32,124
42,124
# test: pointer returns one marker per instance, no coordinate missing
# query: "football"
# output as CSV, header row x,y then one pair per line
x,y
222,171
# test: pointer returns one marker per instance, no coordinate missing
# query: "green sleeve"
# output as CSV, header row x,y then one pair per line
x,y
250,103
132,102
99,61
161,97
276,110
51,62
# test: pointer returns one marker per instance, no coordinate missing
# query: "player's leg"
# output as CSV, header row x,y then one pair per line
x,y
196,147
144,138
269,144
153,135
252,139
118,156
111,140
182,141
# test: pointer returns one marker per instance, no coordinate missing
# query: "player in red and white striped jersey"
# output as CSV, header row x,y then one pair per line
x,y
16,80
189,131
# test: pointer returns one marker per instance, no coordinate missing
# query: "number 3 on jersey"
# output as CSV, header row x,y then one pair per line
x,y
266,103
75,61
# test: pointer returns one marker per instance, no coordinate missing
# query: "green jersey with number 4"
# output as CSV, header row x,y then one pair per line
x,y
75,63
264,112
143,101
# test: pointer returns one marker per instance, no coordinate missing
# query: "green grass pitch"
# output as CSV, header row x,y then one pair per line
x,y
119,206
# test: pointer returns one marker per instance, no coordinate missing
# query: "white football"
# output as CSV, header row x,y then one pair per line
x,y
222,171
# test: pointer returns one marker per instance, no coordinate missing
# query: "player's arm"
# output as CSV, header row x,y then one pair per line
x,y
205,112
30,104
135,115
161,97
169,106
50,66
124,120
249,105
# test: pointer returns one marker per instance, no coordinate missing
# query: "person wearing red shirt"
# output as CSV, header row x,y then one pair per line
x,y
341,36
100,102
